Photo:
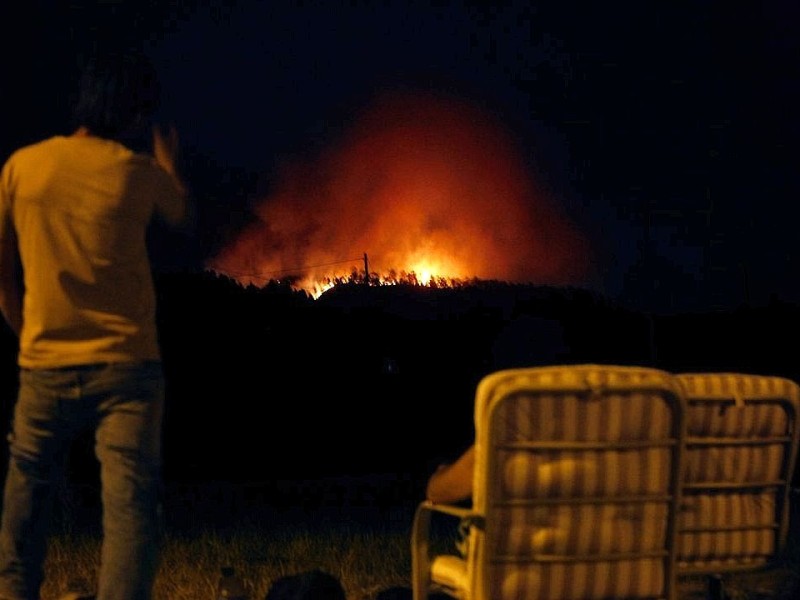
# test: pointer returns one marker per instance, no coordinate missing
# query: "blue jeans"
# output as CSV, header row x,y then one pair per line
x,y
123,403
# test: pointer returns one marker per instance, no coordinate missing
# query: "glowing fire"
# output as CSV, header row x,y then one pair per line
x,y
422,189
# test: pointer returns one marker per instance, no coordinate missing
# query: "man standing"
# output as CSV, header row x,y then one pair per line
x,y
76,287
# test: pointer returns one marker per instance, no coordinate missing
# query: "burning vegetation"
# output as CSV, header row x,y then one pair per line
x,y
435,190
389,278
401,278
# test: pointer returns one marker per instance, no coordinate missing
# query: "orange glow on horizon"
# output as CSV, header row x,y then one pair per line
x,y
421,183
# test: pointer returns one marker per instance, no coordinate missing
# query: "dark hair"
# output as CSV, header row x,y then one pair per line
x,y
118,92
308,585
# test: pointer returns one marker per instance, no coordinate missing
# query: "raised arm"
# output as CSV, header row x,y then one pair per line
x,y
165,151
181,213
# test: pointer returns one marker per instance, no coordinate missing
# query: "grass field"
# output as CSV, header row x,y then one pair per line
x,y
364,560
367,547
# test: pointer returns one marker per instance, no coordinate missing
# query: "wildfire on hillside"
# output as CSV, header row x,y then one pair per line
x,y
422,189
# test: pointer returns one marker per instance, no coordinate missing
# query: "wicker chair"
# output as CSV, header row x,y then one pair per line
x,y
741,449
575,491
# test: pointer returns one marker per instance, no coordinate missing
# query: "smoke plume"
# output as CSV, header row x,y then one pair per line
x,y
420,183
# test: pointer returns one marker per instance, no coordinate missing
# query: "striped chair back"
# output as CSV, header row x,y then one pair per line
x,y
577,475
741,448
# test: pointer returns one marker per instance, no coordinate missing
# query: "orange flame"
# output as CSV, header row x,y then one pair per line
x,y
422,184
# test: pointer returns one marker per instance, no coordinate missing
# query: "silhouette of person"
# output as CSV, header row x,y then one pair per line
x,y
525,341
76,288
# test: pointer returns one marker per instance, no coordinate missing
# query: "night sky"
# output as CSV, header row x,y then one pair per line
x,y
667,135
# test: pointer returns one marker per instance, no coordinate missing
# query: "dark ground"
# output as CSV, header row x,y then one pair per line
x,y
336,410
357,396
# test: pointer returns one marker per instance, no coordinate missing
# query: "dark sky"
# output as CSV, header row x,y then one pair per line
x,y
667,133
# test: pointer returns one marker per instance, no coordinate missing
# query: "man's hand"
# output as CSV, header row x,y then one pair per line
x,y
165,148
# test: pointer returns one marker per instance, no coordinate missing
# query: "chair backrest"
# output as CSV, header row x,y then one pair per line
x,y
741,447
578,477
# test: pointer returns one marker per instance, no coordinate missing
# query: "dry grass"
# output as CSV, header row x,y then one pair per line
x,y
367,549
365,559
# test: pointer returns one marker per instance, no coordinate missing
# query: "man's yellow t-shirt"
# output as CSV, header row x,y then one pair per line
x,y
80,207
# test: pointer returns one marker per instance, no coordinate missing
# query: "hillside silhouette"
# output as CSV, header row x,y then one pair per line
x,y
269,384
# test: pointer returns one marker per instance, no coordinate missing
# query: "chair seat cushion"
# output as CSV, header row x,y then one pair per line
x,y
581,581
580,529
571,474
740,526
734,464
450,571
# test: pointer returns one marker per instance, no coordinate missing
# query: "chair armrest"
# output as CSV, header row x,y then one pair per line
x,y
420,541
460,512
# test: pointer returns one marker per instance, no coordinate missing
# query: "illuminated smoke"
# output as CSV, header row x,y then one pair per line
x,y
421,183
